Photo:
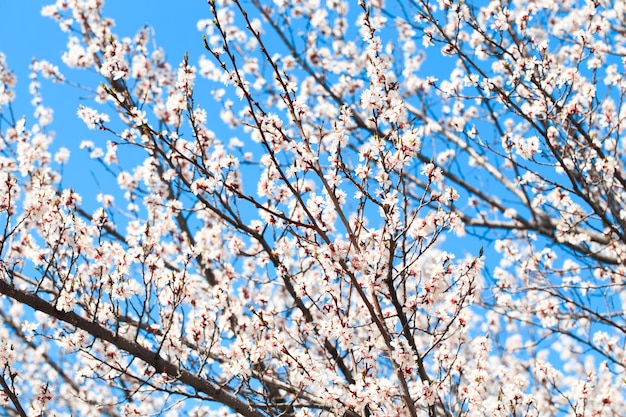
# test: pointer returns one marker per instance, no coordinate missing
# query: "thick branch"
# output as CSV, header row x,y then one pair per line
x,y
132,348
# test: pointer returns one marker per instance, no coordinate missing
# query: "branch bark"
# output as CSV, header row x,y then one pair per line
x,y
132,348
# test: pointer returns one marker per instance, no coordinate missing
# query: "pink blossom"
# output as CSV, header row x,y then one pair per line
x,y
91,117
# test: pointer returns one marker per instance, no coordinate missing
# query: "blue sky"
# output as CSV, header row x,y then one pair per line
x,y
26,34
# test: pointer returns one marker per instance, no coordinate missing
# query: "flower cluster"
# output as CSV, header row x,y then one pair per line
x,y
307,239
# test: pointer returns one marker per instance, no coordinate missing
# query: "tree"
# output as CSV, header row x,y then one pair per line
x,y
302,264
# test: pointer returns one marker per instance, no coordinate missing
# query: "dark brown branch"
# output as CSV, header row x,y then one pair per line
x,y
132,348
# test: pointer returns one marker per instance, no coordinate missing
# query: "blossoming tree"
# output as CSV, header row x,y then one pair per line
x,y
304,236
